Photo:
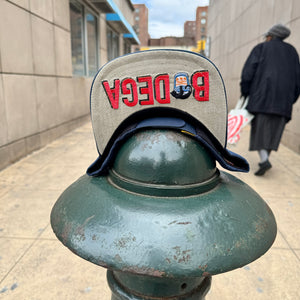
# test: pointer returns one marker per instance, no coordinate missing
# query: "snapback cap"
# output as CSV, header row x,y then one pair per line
x,y
173,89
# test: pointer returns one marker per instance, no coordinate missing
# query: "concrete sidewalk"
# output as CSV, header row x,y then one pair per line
x,y
35,265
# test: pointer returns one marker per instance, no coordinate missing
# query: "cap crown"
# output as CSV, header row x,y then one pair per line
x,y
159,78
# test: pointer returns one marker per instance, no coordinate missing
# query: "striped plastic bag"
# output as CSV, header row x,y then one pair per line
x,y
238,118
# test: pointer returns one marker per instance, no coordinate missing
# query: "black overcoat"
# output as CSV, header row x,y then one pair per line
x,y
271,78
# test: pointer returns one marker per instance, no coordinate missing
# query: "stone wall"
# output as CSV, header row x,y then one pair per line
x,y
39,98
235,27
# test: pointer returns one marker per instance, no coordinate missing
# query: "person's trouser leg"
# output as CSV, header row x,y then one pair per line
x,y
264,155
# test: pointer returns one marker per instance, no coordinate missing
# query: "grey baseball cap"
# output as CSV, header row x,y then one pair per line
x,y
172,89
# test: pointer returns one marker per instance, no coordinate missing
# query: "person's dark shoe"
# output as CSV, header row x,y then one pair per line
x,y
263,167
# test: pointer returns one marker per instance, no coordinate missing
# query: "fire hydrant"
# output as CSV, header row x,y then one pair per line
x,y
157,212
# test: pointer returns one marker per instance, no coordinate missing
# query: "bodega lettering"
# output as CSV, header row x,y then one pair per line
x,y
149,90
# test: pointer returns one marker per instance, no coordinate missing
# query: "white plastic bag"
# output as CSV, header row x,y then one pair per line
x,y
238,118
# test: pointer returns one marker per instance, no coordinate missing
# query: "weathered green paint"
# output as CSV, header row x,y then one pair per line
x,y
215,232
164,157
126,286
164,211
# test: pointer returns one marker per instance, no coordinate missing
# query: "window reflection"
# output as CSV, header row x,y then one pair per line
x,y
112,44
84,40
91,27
76,15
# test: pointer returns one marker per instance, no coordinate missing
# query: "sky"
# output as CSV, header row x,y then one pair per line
x,y
167,17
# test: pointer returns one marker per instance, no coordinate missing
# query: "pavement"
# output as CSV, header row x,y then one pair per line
x,y
35,265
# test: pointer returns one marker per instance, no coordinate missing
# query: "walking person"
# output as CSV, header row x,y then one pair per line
x,y
271,79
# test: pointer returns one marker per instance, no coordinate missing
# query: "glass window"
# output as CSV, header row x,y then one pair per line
x,y
76,15
127,48
115,45
91,29
203,21
84,40
112,44
109,44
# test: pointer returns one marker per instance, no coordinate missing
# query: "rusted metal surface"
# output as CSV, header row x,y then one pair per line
x,y
214,232
177,237
136,287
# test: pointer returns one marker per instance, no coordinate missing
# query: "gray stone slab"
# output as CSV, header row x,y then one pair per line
x,y
16,56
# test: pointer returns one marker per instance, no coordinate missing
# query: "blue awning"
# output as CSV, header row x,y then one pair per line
x,y
118,21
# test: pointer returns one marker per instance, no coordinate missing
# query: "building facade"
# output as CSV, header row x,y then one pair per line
x,y
194,32
49,52
141,24
172,41
233,35
190,29
201,22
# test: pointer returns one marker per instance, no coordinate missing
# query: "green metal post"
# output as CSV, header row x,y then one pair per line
x,y
164,220
135,287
